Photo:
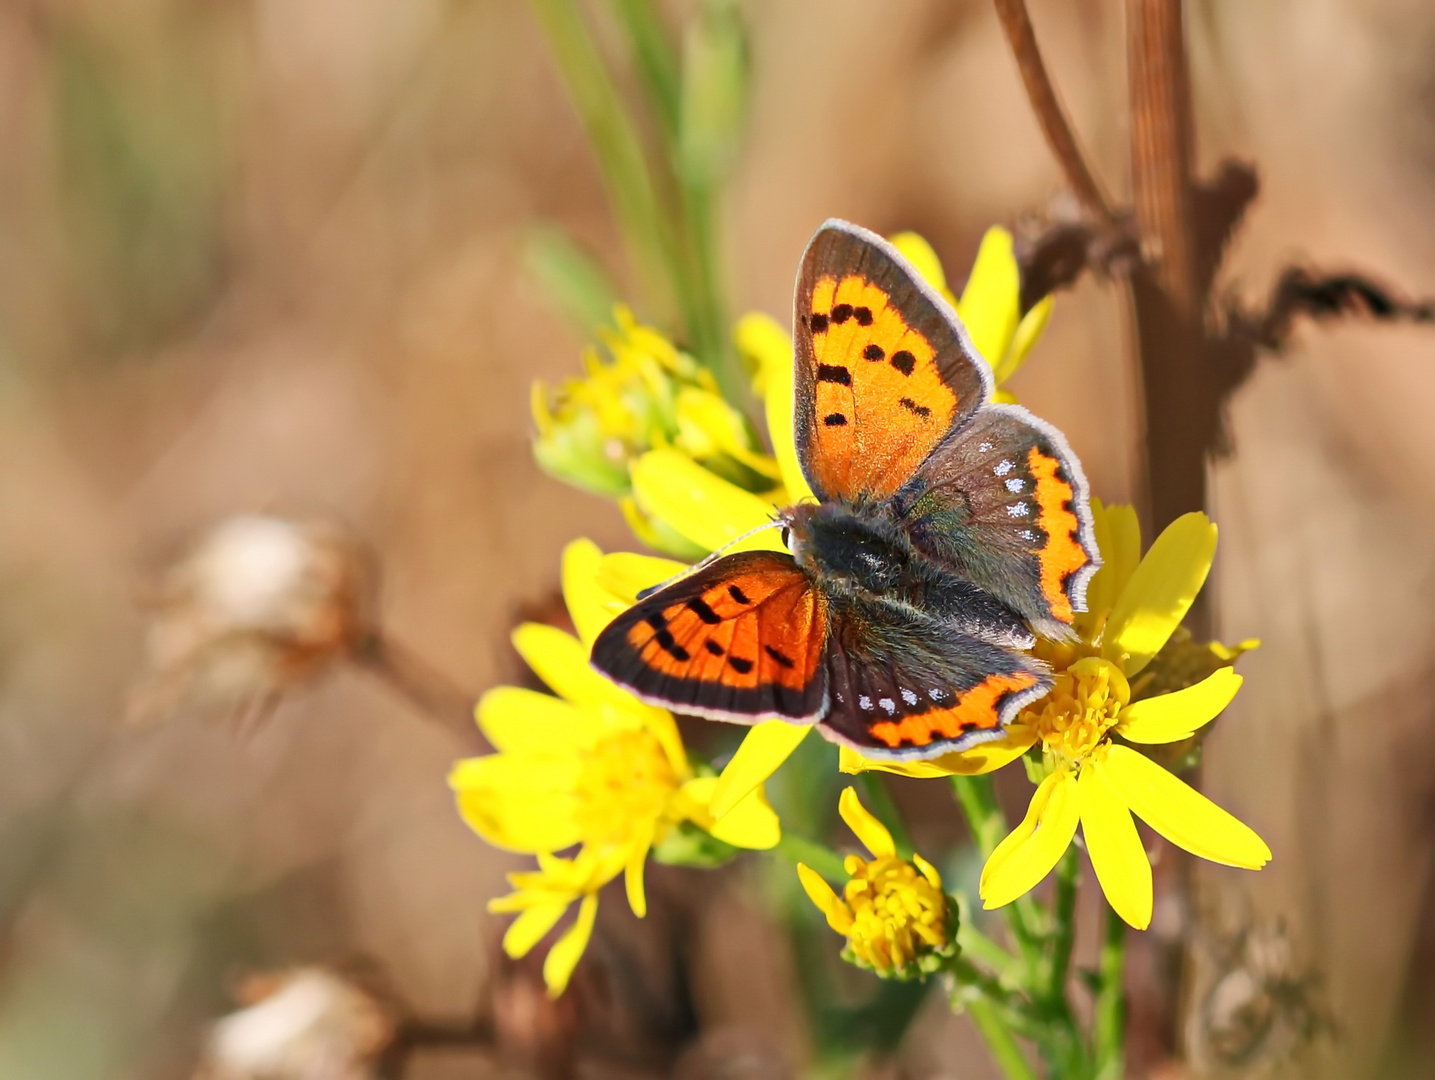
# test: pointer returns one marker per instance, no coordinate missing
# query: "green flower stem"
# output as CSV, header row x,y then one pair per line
x,y
878,798
986,951
799,849
1013,1004
1068,873
1000,1042
616,142
693,262
978,801
656,62
1109,1021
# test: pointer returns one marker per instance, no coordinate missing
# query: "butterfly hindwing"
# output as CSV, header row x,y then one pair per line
x,y
904,687
884,369
739,639
1004,504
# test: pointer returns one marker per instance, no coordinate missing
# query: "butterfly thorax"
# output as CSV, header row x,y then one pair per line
x,y
855,550
864,552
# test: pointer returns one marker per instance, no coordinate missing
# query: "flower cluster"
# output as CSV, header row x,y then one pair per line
x,y
1083,729
897,921
592,768
648,398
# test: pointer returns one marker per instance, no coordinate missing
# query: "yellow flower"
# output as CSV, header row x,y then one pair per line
x,y
592,767
647,395
893,913
1091,780
990,305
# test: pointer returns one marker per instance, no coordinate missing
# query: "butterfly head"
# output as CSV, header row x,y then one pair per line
x,y
851,549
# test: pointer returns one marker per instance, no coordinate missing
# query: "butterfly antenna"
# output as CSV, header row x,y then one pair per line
x,y
775,523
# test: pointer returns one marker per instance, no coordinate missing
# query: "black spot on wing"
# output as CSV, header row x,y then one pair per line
x,y
834,373
738,595
873,352
818,324
780,657
912,407
863,315
841,313
698,606
904,361
741,666
665,642
835,420
713,647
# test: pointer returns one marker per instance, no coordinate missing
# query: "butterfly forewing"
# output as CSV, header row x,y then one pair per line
x,y
883,368
1004,504
737,640
904,687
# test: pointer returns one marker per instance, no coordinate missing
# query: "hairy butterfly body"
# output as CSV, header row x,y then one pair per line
x,y
948,531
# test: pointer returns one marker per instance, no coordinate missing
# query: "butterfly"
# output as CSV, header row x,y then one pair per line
x,y
947,532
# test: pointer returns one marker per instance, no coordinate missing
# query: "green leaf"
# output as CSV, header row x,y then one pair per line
x,y
573,279
687,845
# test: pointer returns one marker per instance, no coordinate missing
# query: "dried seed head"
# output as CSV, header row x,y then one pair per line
x,y
257,605
307,1023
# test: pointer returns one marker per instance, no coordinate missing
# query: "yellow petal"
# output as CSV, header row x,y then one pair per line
x,y
778,407
658,534
588,606
927,870
869,830
751,824
816,888
519,802
1035,846
633,873
919,253
700,505
1118,537
624,574
1181,814
991,302
514,718
1027,331
765,347
983,758
763,749
531,925
708,425
568,950
1160,592
1178,715
1114,846
561,661
826,901
768,349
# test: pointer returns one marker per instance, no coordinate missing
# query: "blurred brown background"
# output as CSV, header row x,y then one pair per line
x,y
263,255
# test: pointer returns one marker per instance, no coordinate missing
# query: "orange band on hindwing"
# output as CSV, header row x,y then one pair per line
x,y
1062,555
978,710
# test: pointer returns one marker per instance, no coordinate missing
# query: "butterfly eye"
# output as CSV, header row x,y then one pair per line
x,y
786,532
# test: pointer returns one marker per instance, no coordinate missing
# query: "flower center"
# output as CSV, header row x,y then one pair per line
x,y
1084,704
896,912
626,784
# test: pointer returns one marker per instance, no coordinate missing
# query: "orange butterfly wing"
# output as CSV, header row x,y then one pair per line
x,y
737,640
884,370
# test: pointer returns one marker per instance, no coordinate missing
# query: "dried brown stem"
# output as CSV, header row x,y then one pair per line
x,y
1161,145
1049,113
413,679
